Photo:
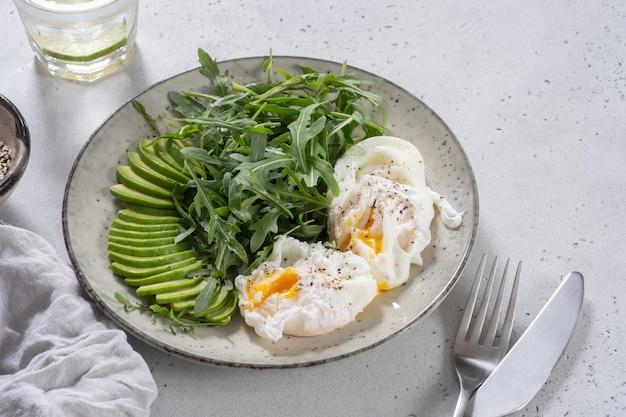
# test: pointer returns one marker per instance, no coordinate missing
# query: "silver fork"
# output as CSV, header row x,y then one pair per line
x,y
475,357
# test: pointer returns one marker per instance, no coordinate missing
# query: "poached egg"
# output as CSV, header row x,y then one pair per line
x,y
304,289
384,209
380,223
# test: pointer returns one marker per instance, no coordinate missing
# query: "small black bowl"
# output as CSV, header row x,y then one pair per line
x,y
15,135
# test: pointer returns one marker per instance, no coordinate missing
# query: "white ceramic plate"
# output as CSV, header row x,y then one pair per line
x,y
88,210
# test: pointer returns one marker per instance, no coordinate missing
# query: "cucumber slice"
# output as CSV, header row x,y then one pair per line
x,y
149,261
168,286
134,234
174,274
128,271
149,251
131,179
138,227
127,194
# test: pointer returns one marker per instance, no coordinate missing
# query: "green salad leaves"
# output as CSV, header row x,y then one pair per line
x,y
258,160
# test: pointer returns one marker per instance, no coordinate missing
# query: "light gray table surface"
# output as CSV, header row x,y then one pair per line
x,y
535,92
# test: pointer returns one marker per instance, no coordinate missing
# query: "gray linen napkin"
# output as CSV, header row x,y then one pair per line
x,y
58,355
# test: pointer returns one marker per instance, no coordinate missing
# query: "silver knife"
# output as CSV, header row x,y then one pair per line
x,y
527,366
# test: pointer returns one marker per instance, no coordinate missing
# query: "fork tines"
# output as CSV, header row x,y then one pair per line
x,y
476,334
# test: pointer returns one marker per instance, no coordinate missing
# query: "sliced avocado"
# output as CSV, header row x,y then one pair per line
x,y
173,148
181,294
131,179
223,315
130,195
182,305
127,271
168,286
142,243
150,157
133,216
141,227
134,234
161,148
174,274
149,251
217,301
144,170
149,261
151,211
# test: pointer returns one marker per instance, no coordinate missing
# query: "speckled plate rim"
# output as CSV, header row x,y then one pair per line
x,y
153,337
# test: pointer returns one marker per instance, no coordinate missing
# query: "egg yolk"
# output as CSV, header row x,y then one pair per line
x,y
281,281
365,235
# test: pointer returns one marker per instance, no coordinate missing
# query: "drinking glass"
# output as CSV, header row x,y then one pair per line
x,y
80,40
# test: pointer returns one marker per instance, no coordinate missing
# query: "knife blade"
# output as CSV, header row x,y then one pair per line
x,y
529,363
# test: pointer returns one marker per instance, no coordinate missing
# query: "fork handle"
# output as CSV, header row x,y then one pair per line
x,y
461,403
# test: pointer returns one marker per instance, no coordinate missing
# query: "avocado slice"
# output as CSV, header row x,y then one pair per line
x,y
149,251
133,216
180,294
135,234
128,271
144,170
224,314
173,148
148,261
168,286
162,149
125,193
142,243
219,298
150,211
131,179
148,155
142,227
171,275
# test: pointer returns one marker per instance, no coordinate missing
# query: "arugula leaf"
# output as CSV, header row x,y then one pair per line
x,y
142,110
212,72
263,227
205,296
302,133
260,158
185,105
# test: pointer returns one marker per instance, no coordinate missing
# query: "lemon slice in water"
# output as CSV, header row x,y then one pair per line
x,y
84,48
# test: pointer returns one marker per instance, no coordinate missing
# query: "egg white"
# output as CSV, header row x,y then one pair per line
x,y
380,222
304,290
384,209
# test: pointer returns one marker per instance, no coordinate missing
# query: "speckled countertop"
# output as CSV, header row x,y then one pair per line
x,y
534,91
